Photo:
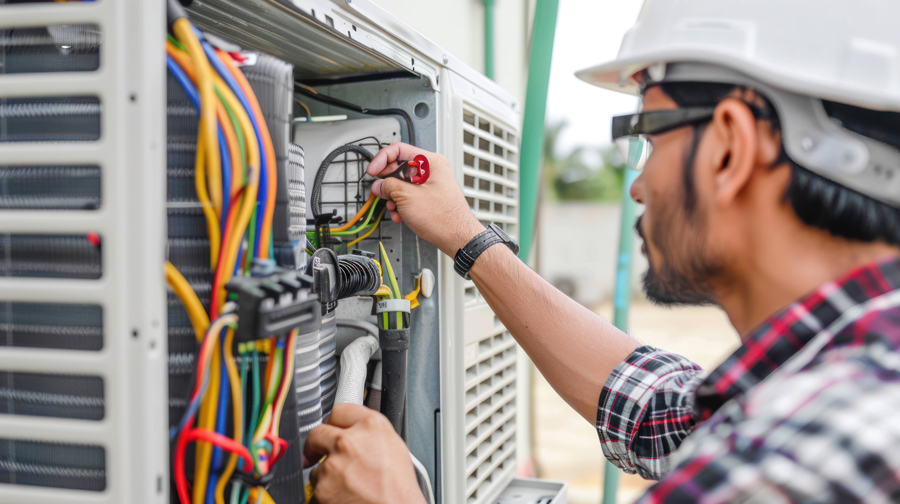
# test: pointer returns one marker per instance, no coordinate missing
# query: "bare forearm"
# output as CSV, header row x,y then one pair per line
x,y
574,348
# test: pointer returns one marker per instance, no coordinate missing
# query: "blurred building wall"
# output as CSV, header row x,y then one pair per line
x,y
458,27
578,243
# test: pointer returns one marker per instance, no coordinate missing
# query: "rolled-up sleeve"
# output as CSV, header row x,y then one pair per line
x,y
646,410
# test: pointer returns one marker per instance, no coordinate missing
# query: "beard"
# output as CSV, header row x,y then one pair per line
x,y
686,267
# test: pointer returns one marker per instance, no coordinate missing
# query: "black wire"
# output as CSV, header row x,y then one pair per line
x,y
300,88
316,201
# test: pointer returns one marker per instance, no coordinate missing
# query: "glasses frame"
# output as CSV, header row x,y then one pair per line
x,y
656,122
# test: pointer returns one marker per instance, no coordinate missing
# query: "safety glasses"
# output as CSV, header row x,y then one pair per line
x,y
628,130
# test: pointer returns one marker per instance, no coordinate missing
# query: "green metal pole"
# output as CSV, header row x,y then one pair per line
x,y
621,303
489,38
542,34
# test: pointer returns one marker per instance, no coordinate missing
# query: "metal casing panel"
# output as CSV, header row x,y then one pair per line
x,y
478,356
130,84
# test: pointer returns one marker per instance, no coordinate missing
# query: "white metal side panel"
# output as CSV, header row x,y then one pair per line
x,y
479,358
130,84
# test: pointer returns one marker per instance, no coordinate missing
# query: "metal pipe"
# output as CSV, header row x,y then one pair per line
x,y
542,35
622,302
489,38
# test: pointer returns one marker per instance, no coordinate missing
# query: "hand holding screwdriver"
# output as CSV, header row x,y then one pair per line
x,y
435,210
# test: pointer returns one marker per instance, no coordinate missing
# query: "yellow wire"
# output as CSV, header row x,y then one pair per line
x,y
363,237
182,289
208,412
308,113
287,374
185,33
266,498
229,255
234,380
212,222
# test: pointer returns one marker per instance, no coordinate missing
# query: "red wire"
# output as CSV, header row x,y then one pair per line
x,y
223,442
229,225
271,183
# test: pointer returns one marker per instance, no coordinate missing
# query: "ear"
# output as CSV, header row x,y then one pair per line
x,y
736,153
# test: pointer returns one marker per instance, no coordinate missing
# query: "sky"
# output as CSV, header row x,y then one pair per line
x,y
588,32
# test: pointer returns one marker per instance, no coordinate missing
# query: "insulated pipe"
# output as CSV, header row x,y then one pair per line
x,y
621,302
354,367
373,400
394,348
533,124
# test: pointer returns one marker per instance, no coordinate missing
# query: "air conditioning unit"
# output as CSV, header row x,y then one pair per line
x,y
90,210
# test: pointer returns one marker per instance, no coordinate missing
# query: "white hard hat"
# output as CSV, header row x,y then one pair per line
x,y
797,53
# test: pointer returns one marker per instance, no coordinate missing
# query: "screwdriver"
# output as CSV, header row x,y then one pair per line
x,y
414,172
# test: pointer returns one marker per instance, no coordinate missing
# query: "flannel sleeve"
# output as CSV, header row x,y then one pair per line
x,y
646,409
826,435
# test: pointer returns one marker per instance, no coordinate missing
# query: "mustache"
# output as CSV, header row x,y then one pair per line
x,y
639,228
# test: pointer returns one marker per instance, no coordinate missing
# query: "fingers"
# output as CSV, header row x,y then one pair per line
x,y
347,414
321,441
383,188
383,163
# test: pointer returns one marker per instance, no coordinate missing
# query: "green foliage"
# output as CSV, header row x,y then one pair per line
x,y
581,174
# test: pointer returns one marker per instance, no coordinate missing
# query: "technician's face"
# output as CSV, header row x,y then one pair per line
x,y
673,234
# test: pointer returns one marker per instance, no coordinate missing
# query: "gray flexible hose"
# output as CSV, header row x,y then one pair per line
x,y
359,324
352,382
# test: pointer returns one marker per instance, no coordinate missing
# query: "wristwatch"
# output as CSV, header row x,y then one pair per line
x,y
465,257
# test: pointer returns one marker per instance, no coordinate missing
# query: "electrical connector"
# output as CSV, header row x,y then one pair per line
x,y
274,305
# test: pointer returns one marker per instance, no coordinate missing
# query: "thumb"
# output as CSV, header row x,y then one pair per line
x,y
384,188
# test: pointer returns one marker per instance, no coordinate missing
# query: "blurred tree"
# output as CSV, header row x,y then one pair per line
x,y
581,174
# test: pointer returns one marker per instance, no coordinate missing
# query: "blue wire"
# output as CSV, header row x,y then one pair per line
x,y
226,181
184,80
222,414
222,70
194,96
211,489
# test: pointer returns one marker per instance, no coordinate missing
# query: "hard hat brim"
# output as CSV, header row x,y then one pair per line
x,y
618,75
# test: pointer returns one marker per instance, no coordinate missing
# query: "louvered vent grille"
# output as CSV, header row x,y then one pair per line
x,y
491,187
51,395
51,325
58,465
57,48
50,187
490,177
490,415
40,187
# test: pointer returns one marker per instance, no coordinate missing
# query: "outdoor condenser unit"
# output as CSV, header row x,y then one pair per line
x,y
83,349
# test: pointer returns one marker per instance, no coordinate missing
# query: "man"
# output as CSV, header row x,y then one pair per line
x,y
771,190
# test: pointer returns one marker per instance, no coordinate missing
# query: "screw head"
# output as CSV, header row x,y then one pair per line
x,y
807,143
446,59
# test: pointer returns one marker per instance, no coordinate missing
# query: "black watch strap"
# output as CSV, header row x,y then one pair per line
x,y
466,256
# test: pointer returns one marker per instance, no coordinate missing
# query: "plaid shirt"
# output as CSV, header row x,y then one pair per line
x,y
807,410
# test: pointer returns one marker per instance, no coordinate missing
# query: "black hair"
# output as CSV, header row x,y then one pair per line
x,y
817,201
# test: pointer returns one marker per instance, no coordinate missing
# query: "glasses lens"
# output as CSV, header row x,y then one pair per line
x,y
634,151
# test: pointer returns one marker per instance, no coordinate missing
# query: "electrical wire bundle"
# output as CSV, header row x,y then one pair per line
x,y
235,179
393,337
368,209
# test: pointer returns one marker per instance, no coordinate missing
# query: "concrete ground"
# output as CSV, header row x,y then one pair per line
x,y
567,448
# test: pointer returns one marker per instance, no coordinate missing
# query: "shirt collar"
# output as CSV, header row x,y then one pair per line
x,y
782,335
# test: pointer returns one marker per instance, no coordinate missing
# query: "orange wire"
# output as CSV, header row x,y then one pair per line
x,y
234,150
265,240
358,216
